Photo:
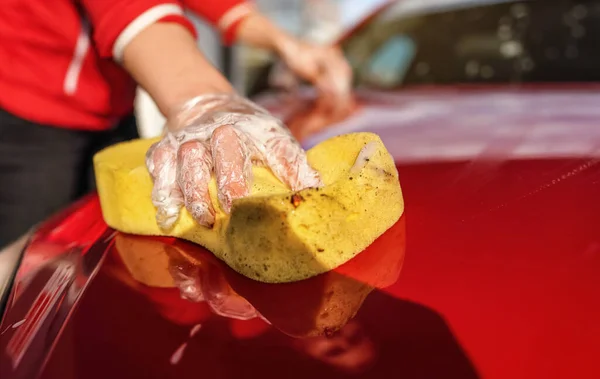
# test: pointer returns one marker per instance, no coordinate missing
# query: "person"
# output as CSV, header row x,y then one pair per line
x,y
68,73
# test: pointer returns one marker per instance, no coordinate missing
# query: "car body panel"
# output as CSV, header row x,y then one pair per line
x,y
500,277
56,264
499,267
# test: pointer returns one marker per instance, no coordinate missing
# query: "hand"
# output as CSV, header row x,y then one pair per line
x,y
324,66
225,134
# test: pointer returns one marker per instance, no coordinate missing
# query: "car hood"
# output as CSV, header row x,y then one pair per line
x,y
492,271
460,123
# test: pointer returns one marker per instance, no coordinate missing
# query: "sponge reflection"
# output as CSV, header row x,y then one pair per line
x,y
319,306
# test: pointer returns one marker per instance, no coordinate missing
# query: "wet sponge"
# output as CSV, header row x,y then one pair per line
x,y
274,235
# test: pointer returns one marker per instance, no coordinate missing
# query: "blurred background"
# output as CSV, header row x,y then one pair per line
x,y
393,44
320,21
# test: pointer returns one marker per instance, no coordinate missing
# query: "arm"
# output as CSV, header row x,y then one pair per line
x,y
324,66
165,60
208,131
156,44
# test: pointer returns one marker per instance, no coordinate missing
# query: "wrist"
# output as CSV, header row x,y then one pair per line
x,y
284,45
192,110
191,92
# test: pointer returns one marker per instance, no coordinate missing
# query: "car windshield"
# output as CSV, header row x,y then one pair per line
x,y
502,42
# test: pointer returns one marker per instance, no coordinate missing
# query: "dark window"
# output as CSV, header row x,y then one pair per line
x,y
507,42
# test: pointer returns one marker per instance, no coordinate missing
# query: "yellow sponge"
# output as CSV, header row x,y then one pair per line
x,y
274,235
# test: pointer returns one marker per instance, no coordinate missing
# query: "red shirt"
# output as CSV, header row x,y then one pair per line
x,y
59,58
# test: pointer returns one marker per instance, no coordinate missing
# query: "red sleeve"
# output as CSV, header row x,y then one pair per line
x,y
226,15
117,22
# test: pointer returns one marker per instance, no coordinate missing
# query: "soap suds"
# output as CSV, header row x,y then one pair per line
x,y
365,154
178,354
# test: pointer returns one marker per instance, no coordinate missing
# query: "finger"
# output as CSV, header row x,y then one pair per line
x,y
161,161
233,167
335,80
288,162
194,167
344,69
253,152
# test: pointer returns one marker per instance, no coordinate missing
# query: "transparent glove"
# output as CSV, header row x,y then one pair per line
x,y
223,134
205,282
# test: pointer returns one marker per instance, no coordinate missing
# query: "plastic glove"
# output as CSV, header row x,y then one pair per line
x,y
224,134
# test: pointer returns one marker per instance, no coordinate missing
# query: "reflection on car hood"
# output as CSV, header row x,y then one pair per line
x,y
317,306
464,124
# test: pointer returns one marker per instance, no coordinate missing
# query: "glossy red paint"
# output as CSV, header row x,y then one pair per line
x,y
500,278
78,226
310,307
57,264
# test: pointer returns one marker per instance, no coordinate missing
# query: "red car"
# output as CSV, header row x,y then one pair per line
x,y
491,112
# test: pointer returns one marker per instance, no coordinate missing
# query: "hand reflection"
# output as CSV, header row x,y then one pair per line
x,y
310,118
203,280
317,306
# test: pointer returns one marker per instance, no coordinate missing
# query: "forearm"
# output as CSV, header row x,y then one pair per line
x,y
164,59
257,30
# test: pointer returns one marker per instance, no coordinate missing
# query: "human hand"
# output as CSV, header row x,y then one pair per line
x,y
324,66
225,134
